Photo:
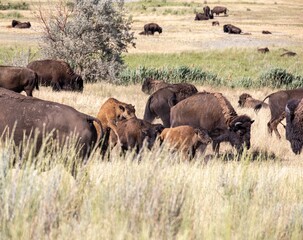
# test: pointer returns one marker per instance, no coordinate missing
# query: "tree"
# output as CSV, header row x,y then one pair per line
x,y
90,35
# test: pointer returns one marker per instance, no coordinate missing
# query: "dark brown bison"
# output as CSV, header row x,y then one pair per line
x,y
22,25
207,12
231,29
215,23
18,79
151,28
161,101
201,16
214,113
218,9
150,85
294,124
288,54
24,115
15,22
247,101
277,102
263,50
186,139
266,32
134,132
57,74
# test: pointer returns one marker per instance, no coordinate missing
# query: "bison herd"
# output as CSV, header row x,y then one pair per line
x,y
190,120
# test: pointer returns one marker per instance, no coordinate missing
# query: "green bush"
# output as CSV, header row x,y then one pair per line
x,y
16,6
276,78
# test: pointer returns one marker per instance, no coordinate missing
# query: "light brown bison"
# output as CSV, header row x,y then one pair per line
x,y
134,132
151,28
24,115
231,29
218,9
57,74
247,101
18,79
277,102
150,85
161,101
294,124
214,113
186,139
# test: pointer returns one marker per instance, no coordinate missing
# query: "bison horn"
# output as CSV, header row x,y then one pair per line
x,y
238,123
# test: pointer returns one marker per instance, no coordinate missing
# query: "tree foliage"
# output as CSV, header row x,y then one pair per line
x,y
90,35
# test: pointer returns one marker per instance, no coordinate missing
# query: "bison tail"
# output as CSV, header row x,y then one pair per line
x,y
36,81
259,106
149,115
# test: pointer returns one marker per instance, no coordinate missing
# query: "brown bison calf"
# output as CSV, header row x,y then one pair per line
x,y
294,124
247,101
18,79
186,139
215,23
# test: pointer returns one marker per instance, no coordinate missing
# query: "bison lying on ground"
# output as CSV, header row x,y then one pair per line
x,y
247,101
201,16
288,54
186,139
18,79
277,102
151,28
133,132
161,101
294,124
214,113
218,9
57,74
231,29
18,24
26,114
263,50
266,32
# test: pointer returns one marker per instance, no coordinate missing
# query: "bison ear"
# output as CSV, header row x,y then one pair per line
x,y
122,108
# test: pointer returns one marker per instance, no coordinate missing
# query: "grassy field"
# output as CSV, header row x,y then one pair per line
x,y
156,195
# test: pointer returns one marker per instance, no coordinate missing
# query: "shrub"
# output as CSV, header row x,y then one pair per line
x,y
16,6
276,78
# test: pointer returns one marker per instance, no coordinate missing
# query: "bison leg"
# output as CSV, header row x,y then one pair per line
x,y
29,93
56,86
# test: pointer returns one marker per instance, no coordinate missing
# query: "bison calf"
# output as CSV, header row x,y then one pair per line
x,y
186,139
247,101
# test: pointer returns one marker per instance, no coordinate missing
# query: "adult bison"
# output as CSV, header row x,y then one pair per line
x,y
201,17
22,25
294,124
277,102
247,101
151,28
218,9
18,79
134,132
231,29
150,85
161,101
24,115
57,74
214,113
207,12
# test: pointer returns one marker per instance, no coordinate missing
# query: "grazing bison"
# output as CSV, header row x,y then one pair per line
x,y
277,102
161,101
231,29
18,79
132,133
294,124
57,74
214,113
186,139
247,101
24,115
263,50
150,85
215,23
201,16
151,28
218,9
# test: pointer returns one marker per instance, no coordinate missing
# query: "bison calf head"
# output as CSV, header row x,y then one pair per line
x,y
242,99
125,111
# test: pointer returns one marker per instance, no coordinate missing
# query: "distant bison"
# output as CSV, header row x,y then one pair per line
x,y
263,50
231,29
24,115
214,113
57,74
201,16
18,24
134,132
150,85
215,23
277,102
161,101
288,54
247,101
294,124
266,32
151,28
218,9
18,79
186,139
207,12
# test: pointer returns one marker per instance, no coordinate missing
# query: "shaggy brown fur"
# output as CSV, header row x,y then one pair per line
x,y
150,85
263,50
186,139
247,101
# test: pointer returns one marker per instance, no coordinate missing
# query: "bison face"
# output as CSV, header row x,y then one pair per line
x,y
242,99
240,129
151,134
160,30
126,111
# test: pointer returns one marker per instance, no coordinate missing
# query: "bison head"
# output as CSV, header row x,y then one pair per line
x,y
126,111
242,99
160,30
239,135
151,133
